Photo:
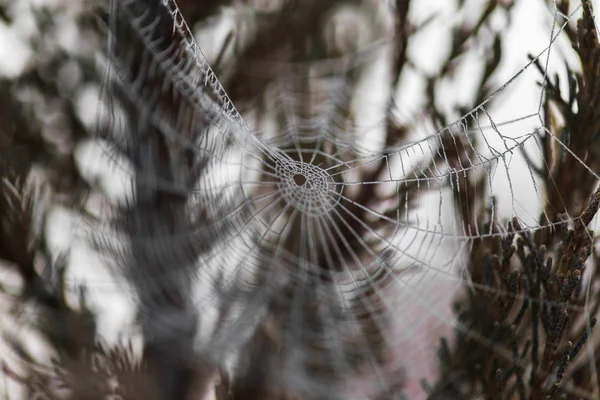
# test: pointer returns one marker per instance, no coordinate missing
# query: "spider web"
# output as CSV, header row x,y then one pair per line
x,y
308,224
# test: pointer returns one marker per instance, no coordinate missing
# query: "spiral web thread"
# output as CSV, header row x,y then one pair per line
x,y
339,278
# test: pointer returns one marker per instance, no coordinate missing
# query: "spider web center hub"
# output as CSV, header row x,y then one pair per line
x,y
308,188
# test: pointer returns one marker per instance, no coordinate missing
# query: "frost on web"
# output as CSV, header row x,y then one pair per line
x,y
305,222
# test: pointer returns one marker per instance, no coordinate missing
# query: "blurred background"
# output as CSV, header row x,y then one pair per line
x,y
421,67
